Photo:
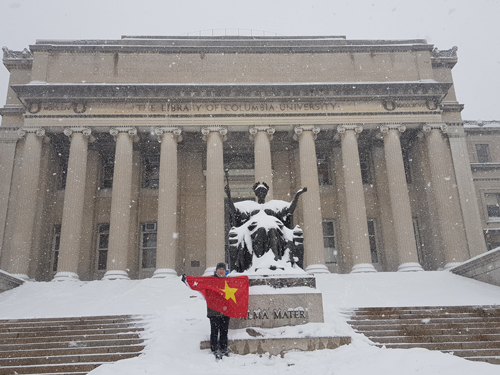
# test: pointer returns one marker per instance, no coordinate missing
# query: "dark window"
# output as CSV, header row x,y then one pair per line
x,y
102,246
107,170
418,241
373,240
148,245
493,205
329,241
483,153
151,172
324,174
56,243
63,171
407,164
239,160
365,165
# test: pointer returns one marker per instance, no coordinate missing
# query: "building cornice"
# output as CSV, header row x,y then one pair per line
x,y
17,59
444,58
369,91
12,110
230,44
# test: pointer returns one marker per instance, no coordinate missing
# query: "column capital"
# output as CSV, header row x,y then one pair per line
x,y
85,131
40,132
173,130
123,129
435,125
345,127
298,130
261,128
386,127
206,130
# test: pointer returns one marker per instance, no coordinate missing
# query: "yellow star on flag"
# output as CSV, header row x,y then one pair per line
x,y
230,292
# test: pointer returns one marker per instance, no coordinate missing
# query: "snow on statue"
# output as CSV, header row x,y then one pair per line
x,y
262,238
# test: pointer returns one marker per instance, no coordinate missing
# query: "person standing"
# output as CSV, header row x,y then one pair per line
x,y
219,323
226,297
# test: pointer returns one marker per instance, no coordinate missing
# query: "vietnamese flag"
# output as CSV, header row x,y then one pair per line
x,y
228,295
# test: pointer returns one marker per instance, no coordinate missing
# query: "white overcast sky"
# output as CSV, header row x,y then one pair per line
x,y
473,26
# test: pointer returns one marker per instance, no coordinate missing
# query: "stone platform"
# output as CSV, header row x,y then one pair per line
x,y
280,346
269,308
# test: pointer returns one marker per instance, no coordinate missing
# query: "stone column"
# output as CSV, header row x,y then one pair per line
x,y
74,194
26,205
314,250
467,190
262,137
444,187
214,136
167,237
121,201
400,200
355,196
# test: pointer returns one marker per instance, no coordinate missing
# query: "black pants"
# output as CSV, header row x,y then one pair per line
x,y
219,325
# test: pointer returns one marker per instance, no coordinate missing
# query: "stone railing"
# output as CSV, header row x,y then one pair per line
x,y
485,267
8,281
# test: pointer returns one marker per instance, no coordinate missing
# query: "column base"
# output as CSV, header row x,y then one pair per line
x,y
410,267
451,265
209,271
164,272
363,268
66,276
116,275
316,269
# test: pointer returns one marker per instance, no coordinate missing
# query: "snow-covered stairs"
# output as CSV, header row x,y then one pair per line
x,y
471,332
67,345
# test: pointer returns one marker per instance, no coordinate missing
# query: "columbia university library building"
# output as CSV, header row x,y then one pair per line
x,y
113,154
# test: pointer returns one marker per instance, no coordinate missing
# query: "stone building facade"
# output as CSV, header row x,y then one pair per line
x,y
112,154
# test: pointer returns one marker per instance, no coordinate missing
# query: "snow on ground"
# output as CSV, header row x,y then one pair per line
x,y
177,323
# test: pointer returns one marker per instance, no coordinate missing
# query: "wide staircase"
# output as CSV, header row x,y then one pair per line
x,y
471,332
68,345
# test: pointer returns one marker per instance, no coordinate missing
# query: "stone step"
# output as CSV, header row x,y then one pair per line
x,y
451,347
69,338
112,318
427,331
374,326
47,369
51,360
355,321
63,327
493,360
427,339
49,333
422,316
70,351
70,344
439,309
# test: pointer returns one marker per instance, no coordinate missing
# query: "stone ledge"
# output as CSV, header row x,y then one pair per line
x,y
280,346
485,268
283,281
8,281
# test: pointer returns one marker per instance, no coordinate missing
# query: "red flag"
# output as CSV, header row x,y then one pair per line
x,y
228,295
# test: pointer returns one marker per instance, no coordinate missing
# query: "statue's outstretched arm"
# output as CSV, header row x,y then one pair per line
x,y
293,205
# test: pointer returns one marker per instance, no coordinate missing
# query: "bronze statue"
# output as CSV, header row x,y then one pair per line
x,y
260,227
